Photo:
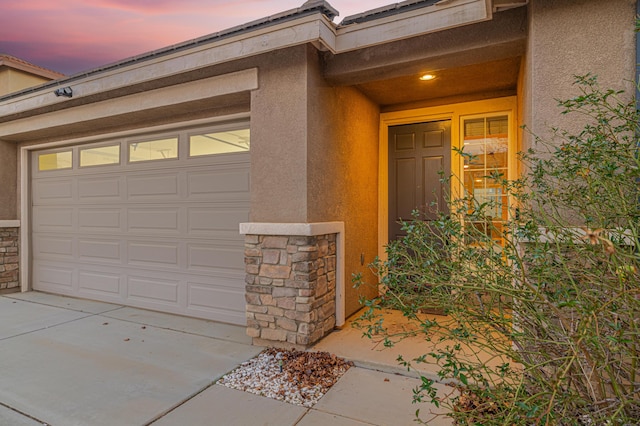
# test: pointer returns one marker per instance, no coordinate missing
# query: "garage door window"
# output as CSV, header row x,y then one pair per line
x,y
55,160
219,142
109,154
161,149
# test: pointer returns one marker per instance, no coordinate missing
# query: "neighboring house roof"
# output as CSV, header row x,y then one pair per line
x,y
22,65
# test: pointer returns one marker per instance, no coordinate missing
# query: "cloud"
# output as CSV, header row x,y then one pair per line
x,y
209,8
150,7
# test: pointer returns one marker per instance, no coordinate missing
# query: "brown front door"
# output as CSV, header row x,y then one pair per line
x,y
419,154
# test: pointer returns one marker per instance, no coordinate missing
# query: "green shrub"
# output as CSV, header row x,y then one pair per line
x,y
557,304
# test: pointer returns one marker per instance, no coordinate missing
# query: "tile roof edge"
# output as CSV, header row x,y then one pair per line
x,y
12,61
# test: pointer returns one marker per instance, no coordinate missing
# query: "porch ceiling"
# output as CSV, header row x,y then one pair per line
x,y
489,79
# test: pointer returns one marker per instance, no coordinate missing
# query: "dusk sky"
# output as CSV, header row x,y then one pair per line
x,y
70,36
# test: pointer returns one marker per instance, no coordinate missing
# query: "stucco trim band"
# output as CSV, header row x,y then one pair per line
x,y
308,230
304,229
210,88
9,224
438,17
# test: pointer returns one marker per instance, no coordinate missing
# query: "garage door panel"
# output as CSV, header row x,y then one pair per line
x,y
99,219
96,249
212,183
55,190
207,257
154,220
158,186
159,234
150,253
98,283
216,220
59,247
202,296
105,188
159,290
54,278
52,219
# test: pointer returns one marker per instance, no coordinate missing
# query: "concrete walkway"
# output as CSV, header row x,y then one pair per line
x,y
67,361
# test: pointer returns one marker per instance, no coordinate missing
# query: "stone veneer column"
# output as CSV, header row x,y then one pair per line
x,y
291,286
9,258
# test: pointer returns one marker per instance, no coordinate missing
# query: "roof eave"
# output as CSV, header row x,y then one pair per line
x,y
309,24
406,20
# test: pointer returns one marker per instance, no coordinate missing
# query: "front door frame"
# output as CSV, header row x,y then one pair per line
x,y
452,112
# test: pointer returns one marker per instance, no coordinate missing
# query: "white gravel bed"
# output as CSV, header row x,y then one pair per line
x,y
296,377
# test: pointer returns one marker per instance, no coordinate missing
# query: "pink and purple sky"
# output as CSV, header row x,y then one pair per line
x,y
71,36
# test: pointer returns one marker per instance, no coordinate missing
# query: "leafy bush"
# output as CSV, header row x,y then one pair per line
x,y
544,327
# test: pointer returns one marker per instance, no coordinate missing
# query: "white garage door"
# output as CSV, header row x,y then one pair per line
x,y
150,222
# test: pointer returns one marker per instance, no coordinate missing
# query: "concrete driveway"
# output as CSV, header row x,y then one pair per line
x,y
67,362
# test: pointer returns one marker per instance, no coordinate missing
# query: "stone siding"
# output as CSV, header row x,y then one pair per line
x,y
290,288
9,259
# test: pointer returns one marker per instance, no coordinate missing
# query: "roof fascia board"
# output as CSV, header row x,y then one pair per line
x,y
308,29
443,15
211,87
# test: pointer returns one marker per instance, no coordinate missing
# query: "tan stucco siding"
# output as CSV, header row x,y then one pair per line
x,y
4,80
8,175
314,155
279,139
12,80
574,37
343,172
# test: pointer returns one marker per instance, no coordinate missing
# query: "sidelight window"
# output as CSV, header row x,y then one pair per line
x,y
486,145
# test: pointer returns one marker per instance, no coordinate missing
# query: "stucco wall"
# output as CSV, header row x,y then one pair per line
x,y
14,80
8,175
343,171
279,138
574,37
314,155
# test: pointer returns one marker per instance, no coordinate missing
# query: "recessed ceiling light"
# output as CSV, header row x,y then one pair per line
x,y
427,77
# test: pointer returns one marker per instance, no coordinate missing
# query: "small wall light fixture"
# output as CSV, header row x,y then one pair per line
x,y
427,77
67,92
